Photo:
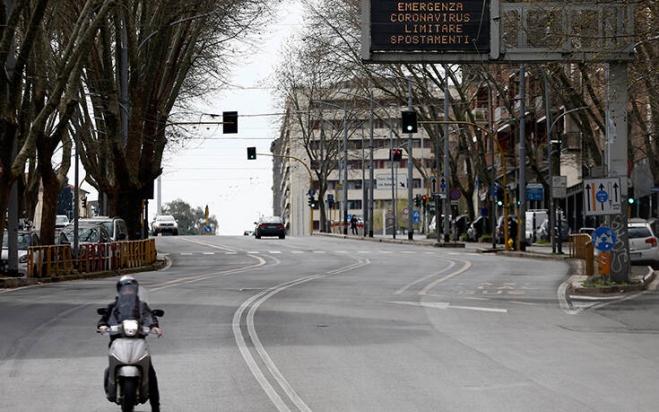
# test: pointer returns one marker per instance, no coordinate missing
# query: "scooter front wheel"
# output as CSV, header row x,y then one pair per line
x,y
129,392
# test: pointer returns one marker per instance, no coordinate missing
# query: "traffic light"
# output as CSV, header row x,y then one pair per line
x,y
396,155
424,200
229,122
499,196
251,153
409,121
84,202
312,202
417,200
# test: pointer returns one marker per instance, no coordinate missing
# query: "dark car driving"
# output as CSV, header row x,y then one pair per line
x,y
270,226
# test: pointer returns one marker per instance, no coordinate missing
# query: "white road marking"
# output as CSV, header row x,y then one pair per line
x,y
446,305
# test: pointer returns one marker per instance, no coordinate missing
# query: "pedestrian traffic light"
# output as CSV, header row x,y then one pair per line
x,y
396,155
229,122
312,202
251,153
409,121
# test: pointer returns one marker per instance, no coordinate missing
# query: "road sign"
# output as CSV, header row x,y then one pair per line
x,y
433,184
416,216
535,191
442,185
208,229
455,194
559,186
602,196
604,238
384,181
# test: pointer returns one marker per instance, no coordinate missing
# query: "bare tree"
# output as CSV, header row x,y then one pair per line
x,y
150,57
37,95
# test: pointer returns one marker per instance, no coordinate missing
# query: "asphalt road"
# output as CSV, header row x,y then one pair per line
x,y
330,324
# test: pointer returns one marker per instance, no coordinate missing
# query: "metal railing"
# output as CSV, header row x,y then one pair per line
x,y
58,260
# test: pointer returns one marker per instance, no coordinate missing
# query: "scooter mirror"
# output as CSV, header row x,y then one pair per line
x,y
102,311
158,312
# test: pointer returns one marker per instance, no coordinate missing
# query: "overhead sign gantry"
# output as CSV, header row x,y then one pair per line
x,y
481,31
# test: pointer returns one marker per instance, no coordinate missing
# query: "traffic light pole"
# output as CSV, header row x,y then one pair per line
x,y
503,165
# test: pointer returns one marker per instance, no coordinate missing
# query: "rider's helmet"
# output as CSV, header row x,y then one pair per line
x,y
126,280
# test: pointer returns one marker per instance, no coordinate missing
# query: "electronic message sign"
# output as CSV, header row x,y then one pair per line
x,y
412,25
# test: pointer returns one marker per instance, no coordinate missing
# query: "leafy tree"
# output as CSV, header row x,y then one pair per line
x,y
191,221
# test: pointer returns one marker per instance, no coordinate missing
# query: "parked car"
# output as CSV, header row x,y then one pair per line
x,y
115,226
25,240
164,224
643,243
270,226
88,232
477,228
61,221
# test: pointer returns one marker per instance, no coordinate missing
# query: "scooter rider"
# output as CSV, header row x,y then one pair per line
x,y
127,286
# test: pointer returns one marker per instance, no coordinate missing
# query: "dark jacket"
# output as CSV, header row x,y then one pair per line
x,y
111,318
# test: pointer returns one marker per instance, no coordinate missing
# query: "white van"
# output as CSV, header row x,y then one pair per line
x,y
532,225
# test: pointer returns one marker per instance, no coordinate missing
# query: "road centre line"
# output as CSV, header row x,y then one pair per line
x,y
464,268
196,278
432,275
253,303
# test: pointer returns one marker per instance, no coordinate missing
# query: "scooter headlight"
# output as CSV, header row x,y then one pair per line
x,y
130,327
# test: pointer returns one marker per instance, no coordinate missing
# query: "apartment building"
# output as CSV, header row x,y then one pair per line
x,y
328,140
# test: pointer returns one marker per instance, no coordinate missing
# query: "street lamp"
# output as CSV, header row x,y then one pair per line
x,y
320,117
345,159
391,146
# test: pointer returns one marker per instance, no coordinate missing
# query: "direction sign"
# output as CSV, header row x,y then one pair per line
x,y
604,238
384,181
602,196
433,184
535,191
442,185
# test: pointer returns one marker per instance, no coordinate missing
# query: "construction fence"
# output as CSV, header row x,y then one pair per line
x,y
59,260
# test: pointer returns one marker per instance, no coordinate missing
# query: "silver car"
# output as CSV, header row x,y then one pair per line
x,y
25,240
643,244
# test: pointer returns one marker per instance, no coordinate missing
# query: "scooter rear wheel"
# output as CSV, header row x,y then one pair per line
x,y
129,392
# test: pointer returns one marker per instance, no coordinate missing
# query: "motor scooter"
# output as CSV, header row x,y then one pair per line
x,y
127,377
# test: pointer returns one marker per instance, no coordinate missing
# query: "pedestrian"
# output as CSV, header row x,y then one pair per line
x,y
353,224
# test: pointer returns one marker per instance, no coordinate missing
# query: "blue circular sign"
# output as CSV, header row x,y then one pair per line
x,y
602,196
208,229
604,238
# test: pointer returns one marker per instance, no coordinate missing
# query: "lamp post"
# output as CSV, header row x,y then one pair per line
x,y
345,160
391,140
308,113
550,127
